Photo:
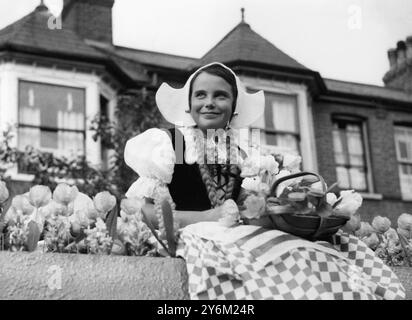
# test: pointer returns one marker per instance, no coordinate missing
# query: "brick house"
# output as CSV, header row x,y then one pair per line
x,y
53,81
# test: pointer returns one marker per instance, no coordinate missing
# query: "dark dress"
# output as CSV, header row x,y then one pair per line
x,y
187,188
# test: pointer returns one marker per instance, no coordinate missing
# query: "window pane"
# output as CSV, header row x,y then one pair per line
x,y
343,177
288,141
403,142
355,145
405,174
46,105
340,157
55,108
284,113
358,178
349,154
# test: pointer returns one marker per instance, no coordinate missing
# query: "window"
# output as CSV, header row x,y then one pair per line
x,y
279,125
51,118
350,154
403,142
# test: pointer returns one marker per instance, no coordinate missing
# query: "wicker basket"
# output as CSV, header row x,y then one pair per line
x,y
405,276
310,227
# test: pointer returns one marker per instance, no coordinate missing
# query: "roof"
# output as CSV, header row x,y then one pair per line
x,y
367,90
33,33
244,44
152,58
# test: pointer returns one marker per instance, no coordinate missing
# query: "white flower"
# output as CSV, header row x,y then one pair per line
x,y
405,221
365,230
381,224
349,203
83,209
22,204
131,206
269,164
39,196
104,202
331,198
255,206
64,193
250,166
372,241
292,162
231,214
251,184
353,224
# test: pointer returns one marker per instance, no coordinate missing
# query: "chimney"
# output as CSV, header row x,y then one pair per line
x,y
409,47
90,19
399,75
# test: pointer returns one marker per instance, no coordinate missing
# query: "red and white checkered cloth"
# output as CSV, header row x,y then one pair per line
x,y
249,262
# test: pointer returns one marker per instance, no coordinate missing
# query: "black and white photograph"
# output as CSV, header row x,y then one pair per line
x,y
205,150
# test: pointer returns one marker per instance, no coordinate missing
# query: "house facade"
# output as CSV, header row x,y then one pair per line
x,y
53,81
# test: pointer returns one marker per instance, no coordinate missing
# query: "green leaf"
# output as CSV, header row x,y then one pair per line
x,y
324,210
111,223
33,236
169,226
287,209
296,196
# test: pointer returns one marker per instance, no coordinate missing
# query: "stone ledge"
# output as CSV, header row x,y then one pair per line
x,y
36,276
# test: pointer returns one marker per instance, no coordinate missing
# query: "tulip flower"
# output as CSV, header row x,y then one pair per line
x,y
365,230
405,222
331,198
230,213
83,209
348,204
292,162
372,241
131,206
353,224
39,196
65,194
104,202
4,192
22,204
255,206
381,224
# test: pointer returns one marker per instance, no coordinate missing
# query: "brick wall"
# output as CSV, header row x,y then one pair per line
x,y
381,143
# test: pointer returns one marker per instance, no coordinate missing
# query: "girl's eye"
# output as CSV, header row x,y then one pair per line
x,y
200,95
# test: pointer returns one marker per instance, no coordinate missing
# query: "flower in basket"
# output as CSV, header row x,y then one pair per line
x,y
4,192
104,202
347,204
353,224
255,206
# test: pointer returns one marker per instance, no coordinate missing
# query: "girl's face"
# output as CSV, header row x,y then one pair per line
x,y
211,101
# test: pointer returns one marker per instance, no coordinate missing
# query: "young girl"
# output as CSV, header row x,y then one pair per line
x,y
201,177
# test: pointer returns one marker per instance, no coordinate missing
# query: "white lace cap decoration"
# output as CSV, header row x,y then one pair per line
x,y
173,103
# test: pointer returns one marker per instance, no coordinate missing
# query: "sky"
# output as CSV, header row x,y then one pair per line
x,y
342,39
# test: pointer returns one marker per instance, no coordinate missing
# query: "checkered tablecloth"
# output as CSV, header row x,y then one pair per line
x,y
249,262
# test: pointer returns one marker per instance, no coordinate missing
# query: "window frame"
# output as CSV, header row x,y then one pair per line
x,y
41,128
362,122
